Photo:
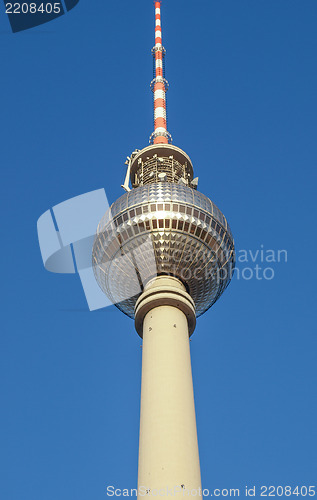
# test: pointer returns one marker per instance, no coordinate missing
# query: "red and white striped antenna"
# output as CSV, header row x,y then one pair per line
x,y
159,85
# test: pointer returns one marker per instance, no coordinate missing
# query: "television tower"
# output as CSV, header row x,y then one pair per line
x,y
172,242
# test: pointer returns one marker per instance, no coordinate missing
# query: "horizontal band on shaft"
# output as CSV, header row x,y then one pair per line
x,y
164,290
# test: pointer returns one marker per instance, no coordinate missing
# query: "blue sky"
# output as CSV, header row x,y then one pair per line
x,y
242,103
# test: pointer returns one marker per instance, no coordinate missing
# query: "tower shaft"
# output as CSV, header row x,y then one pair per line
x,y
168,448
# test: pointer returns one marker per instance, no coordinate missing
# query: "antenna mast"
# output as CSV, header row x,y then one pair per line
x,y
159,85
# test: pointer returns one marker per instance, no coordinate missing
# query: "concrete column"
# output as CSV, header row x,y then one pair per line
x,y
168,448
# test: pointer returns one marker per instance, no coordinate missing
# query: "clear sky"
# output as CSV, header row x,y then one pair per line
x,y
242,103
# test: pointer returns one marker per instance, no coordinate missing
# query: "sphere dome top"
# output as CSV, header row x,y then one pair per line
x,y
158,229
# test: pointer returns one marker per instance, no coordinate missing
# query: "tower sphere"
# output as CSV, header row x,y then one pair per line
x,y
163,226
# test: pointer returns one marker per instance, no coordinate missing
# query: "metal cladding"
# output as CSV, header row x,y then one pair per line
x,y
159,85
163,228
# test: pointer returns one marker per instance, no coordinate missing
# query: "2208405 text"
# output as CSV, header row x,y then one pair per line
x,y
33,8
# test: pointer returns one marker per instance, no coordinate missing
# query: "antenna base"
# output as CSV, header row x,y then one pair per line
x,y
166,134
